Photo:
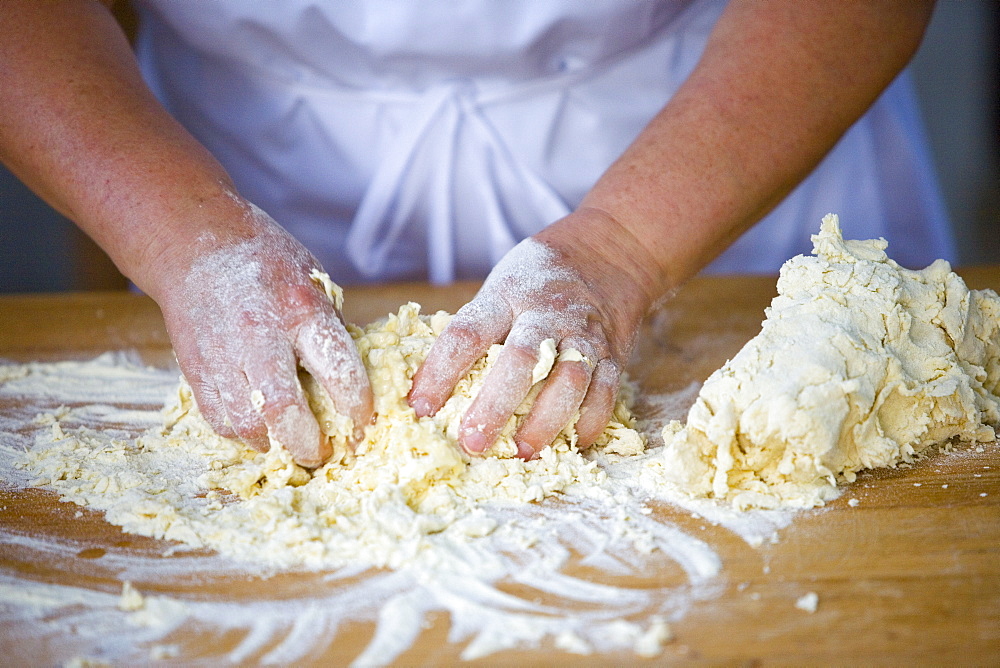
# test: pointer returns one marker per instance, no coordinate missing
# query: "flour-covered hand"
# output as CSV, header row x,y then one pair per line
x,y
242,319
564,284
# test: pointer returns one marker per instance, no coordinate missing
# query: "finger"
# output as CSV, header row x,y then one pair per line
x,y
327,351
467,337
211,405
246,421
290,422
195,371
505,387
554,407
599,404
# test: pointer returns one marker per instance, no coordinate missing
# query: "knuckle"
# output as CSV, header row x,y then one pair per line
x,y
463,334
575,375
520,355
517,359
302,296
608,372
598,334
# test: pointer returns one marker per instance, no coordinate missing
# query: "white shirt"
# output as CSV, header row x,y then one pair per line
x,y
411,140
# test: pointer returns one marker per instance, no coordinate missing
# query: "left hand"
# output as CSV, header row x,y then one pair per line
x,y
576,282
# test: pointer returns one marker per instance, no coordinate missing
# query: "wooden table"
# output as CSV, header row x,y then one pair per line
x,y
911,575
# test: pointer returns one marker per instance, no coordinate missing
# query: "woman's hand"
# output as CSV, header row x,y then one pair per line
x,y
577,283
242,317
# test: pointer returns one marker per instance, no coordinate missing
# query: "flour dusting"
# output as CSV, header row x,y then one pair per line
x,y
549,527
861,363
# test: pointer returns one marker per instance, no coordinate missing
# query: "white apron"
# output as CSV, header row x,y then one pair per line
x,y
407,140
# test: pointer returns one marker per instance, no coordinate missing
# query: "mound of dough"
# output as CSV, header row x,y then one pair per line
x,y
860,363
407,481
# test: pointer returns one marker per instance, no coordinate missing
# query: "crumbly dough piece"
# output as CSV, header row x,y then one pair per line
x,y
860,364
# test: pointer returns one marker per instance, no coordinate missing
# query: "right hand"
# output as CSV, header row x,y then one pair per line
x,y
242,316
580,282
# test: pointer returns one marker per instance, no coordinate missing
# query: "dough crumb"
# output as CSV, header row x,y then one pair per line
x,y
131,600
163,652
853,503
333,291
809,602
546,358
651,643
569,641
86,662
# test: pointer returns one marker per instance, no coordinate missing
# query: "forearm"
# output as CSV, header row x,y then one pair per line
x,y
237,292
79,126
778,84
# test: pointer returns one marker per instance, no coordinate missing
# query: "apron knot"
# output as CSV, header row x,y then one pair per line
x,y
446,180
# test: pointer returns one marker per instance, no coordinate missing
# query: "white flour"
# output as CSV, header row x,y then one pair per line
x,y
406,489
406,528
604,526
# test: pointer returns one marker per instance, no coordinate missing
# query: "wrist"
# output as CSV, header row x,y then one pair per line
x,y
185,230
611,258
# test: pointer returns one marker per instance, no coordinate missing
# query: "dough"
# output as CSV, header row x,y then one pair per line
x,y
407,484
860,364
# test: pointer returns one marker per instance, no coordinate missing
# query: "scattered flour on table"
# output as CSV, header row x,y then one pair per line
x,y
451,530
406,481
860,364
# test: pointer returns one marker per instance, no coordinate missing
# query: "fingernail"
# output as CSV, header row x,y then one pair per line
x,y
525,451
473,440
421,407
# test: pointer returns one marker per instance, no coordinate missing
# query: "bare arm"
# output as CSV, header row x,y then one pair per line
x,y
778,84
79,126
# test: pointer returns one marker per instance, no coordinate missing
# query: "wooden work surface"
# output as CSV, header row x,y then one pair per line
x,y
911,575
